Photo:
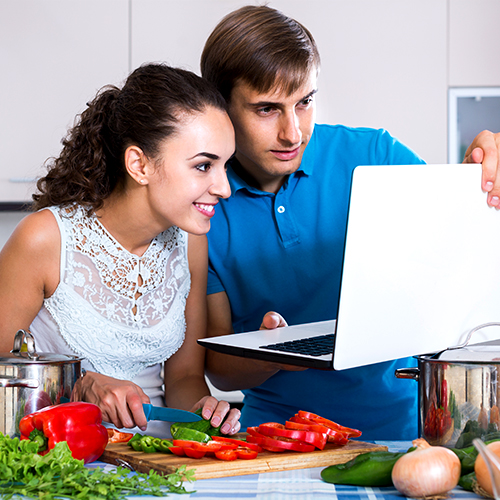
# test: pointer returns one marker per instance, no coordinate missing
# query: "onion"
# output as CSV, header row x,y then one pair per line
x,y
427,471
482,474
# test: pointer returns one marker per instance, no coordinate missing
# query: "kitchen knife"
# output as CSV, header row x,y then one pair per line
x,y
169,414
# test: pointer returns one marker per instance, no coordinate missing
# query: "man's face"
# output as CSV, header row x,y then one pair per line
x,y
272,130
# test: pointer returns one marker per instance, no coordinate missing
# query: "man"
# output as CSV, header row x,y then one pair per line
x,y
277,242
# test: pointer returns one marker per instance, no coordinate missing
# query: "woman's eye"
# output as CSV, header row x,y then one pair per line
x,y
204,167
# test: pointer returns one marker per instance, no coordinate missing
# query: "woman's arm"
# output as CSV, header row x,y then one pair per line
x,y
29,272
185,385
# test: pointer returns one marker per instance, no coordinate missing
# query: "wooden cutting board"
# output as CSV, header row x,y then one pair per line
x,y
210,467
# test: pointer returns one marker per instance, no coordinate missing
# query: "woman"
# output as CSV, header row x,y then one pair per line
x,y
112,266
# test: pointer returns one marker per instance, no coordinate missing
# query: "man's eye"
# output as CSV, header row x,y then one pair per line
x,y
307,101
266,110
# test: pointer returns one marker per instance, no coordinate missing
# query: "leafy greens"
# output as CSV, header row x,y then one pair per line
x,y
58,475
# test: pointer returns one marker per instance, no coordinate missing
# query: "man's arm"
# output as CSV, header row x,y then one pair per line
x,y
234,373
485,149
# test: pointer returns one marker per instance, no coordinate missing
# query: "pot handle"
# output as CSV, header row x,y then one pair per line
x,y
24,337
408,373
31,383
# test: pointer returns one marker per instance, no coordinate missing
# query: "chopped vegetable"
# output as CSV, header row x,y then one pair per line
x,y
330,424
57,474
115,436
79,424
317,439
274,443
201,425
190,435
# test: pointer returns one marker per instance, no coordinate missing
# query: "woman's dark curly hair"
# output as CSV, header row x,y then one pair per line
x,y
143,113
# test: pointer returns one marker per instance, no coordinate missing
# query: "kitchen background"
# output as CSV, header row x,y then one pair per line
x,y
385,63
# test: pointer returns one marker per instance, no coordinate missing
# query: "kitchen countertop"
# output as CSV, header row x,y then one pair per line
x,y
302,484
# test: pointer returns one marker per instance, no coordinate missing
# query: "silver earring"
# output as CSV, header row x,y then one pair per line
x,y
142,181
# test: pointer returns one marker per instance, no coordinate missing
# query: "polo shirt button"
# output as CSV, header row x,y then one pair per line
x,y
281,209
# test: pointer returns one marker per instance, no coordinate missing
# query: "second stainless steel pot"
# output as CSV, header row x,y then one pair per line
x,y
457,395
30,381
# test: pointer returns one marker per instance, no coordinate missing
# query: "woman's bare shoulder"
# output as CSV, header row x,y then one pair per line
x,y
37,232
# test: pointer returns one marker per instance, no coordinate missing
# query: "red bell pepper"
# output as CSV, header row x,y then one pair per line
x,y
78,423
272,429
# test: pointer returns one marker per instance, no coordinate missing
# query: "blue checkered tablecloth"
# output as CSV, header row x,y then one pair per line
x,y
303,484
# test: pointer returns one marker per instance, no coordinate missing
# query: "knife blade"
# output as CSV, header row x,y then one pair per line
x,y
169,414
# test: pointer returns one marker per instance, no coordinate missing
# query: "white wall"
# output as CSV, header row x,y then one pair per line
x,y
385,63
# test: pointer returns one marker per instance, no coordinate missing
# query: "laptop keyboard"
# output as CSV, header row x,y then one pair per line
x,y
312,346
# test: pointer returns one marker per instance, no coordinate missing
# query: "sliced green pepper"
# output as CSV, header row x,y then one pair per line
x,y
147,445
187,434
367,469
201,425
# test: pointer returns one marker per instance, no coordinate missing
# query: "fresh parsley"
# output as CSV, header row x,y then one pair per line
x,y
58,475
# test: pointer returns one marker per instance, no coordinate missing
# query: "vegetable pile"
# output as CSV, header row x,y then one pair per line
x,y
57,474
303,432
423,471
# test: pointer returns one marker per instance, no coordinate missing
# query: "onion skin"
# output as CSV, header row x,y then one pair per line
x,y
482,475
427,471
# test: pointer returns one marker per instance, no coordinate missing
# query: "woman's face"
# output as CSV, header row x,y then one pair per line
x,y
190,176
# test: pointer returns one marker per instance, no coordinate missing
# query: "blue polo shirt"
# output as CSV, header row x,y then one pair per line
x,y
283,252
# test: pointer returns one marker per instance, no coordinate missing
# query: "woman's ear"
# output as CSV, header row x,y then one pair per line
x,y
136,164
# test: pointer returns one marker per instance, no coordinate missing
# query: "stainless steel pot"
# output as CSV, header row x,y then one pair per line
x,y
30,381
458,392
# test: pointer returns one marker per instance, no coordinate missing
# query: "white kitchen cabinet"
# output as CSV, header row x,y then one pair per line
x,y
474,43
55,55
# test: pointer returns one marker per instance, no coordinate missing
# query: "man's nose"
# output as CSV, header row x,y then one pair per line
x,y
290,128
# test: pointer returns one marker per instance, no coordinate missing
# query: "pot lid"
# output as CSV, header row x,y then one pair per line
x,y
24,352
488,352
19,358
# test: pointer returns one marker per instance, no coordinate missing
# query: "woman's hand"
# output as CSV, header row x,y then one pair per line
x,y
120,401
216,411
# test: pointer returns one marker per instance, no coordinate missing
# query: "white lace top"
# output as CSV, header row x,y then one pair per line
x,y
99,310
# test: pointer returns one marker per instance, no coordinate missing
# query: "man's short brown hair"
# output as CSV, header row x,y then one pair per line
x,y
261,47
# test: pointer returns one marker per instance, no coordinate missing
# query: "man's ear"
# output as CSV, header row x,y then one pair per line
x,y
136,164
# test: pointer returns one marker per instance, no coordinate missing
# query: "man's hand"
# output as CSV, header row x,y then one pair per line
x,y
272,320
485,149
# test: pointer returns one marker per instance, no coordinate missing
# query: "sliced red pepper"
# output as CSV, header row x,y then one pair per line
x,y
115,436
237,442
271,443
177,450
226,455
329,423
273,429
335,437
192,453
78,423
246,453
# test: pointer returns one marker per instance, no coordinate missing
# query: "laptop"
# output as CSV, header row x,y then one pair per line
x,y
421,269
